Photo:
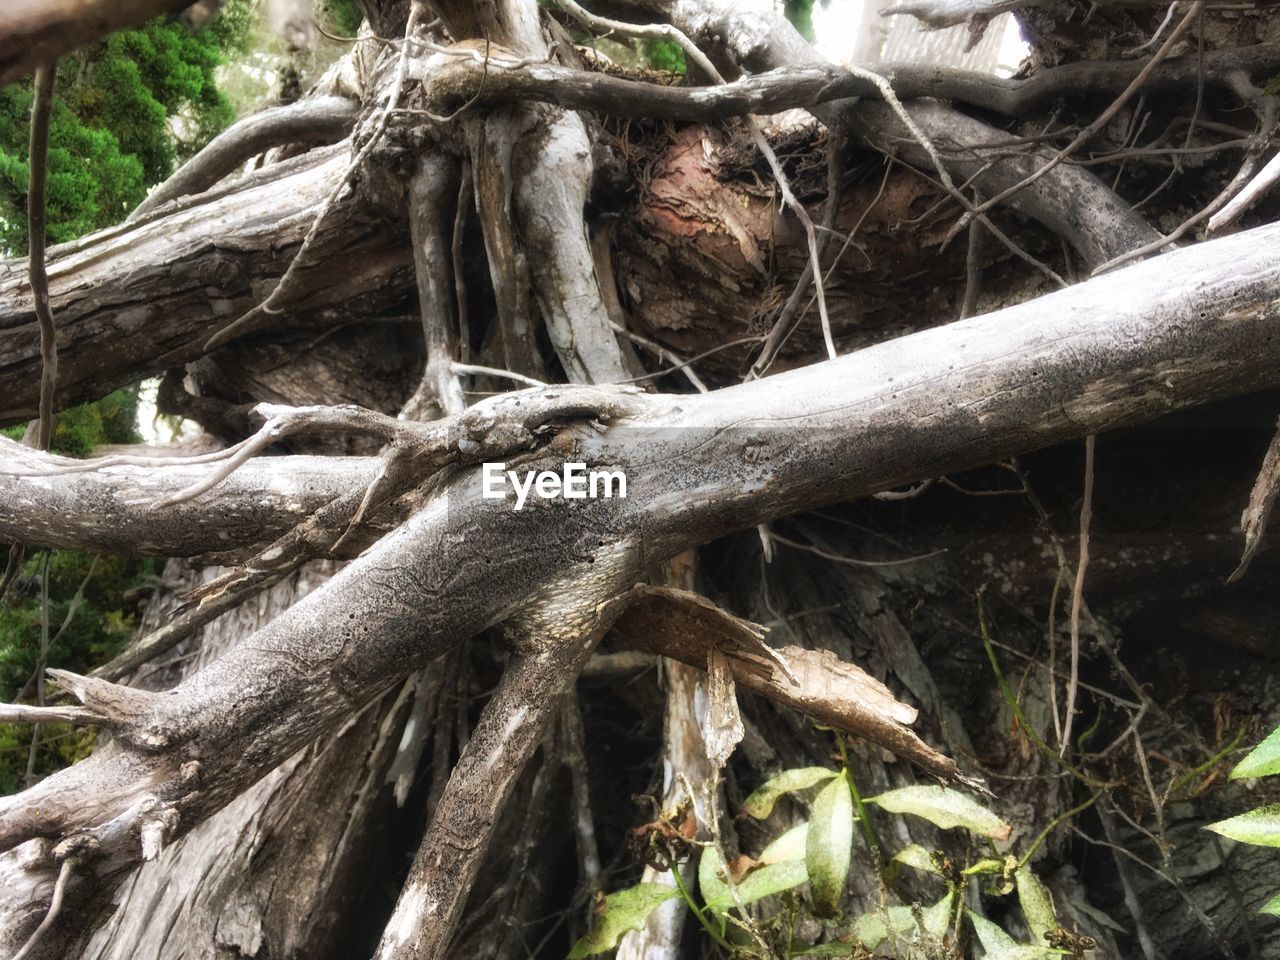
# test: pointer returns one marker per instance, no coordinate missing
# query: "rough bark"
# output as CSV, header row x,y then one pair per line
x,y
138,299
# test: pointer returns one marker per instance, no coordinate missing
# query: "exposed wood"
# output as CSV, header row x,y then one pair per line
x,y
110,509
1068,200
318,121
134,300
685,627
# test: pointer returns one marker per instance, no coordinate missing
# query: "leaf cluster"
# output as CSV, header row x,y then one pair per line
x,y
126,111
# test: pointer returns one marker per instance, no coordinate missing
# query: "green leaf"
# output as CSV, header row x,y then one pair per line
x,y
1037,907
759,883
998,945
829,845
711,873
789,846
1262,761
622,911
1259,827
914,855
945,808
1272,906
771,879
760,803
873,929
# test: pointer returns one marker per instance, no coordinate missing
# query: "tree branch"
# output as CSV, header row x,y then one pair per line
x,y
552,641
319,121
110,510
135,300
452,82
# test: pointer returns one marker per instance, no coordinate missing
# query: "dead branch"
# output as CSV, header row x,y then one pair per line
x,y
685,627
41,108
321,120
456,81
108,510
172,273
551,643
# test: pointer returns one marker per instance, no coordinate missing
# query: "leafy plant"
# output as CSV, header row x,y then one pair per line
x,y
1260,826
808,866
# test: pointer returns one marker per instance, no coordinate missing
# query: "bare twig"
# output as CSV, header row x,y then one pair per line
x,y
1077,594
1087,134
55,907
1251,194
41,110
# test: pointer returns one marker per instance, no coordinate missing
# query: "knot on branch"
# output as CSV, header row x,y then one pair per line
x,y
126,710
156,826
77,849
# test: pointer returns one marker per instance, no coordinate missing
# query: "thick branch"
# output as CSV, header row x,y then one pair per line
x,y
553,640
134,300
319,121
111,510
461,80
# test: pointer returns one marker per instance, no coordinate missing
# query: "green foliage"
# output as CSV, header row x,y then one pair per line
x,y
126,111
943,807
1262,761
760,803
829,846
903,924
764,881
998,945
800,13
342,16
1260,826
663,55
113,419
95,629
620,912
806,868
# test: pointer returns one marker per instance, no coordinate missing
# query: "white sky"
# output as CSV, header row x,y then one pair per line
x,y
835,21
